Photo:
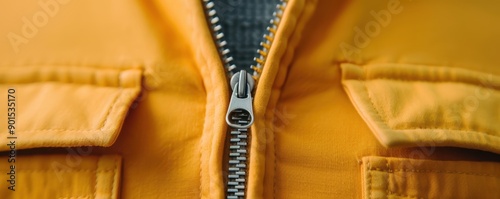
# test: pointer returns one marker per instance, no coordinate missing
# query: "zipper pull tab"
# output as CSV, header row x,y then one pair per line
x,y
240,112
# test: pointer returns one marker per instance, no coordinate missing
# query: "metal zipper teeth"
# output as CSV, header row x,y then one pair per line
x,y
218,37
237,170
236,176
238,154
265,45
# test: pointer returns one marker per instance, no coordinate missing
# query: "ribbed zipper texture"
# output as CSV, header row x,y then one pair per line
x,y
239,116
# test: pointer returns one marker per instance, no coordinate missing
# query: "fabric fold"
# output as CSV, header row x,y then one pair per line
x,y
411,105
67,106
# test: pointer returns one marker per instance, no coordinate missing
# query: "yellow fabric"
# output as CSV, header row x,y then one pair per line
x,y
65,177
69,106
309,139
456,107
318,136
405,178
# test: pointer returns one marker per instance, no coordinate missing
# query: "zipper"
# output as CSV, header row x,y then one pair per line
x,y
239,116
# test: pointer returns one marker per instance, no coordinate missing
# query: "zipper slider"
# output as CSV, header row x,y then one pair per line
x,y
240,112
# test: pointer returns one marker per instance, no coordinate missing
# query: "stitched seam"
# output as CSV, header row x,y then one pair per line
x,y
369,180
297,17
210,142
115,182
200,148
389,171
104,120
402,195
275,159
72,83
69,171
437,128
96,180
387,189
275,166
92,81
200,151
435,81
210,126
434,171
74,171
76,197
71,65
38,144
67,130
384,120
111,109
459,131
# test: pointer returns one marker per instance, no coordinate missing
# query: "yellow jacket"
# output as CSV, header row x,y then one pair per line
x,y
355,99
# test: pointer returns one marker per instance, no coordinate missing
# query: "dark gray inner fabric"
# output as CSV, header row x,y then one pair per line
x,y
244,23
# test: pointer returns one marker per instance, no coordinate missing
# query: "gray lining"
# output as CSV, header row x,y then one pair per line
x,y
244,23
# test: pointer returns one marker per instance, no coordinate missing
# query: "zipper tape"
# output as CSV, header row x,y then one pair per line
x,y
239,116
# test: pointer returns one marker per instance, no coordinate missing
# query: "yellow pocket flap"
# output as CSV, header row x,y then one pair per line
x,y
410,105
62,177
394,178
65,106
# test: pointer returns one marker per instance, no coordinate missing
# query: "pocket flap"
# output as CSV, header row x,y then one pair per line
x,y
410,105
66,106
